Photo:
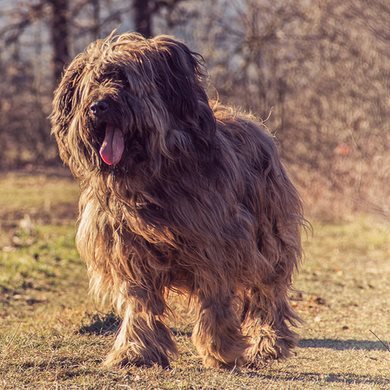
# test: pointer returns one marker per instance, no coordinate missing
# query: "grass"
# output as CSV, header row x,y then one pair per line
x,y
53,336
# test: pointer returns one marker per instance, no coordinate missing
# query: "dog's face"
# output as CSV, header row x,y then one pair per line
x,y
128,99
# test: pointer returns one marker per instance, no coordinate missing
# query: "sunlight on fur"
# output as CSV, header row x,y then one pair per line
x,y
178,193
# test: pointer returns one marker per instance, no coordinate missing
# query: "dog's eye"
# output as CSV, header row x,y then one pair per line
x,y
114,74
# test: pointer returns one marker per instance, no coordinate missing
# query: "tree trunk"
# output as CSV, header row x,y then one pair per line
x,y
96,19
59,30
143,17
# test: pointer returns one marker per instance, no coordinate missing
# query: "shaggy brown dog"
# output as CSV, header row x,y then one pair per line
x,y
178,193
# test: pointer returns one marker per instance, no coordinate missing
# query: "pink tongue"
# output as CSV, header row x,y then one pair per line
x,y
113,146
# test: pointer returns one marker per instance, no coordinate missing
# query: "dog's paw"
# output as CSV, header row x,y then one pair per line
x,y
211,362
267,349
128,358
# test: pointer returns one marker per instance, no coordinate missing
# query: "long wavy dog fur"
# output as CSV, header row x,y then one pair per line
x,y
178,193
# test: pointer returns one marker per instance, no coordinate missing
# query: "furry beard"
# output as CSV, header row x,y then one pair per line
x,y
178,193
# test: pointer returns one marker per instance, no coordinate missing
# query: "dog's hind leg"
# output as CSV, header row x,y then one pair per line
x,y
265,320
143,338
217,334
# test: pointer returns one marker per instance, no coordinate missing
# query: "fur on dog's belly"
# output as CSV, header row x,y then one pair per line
x,y
182,262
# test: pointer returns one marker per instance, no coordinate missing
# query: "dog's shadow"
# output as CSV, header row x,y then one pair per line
x,y
108,324
101,325
344,345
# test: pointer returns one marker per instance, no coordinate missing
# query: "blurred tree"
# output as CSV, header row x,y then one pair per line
x,y
96,19
56,14
319,72
143,13
59,31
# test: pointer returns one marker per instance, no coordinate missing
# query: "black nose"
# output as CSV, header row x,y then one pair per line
x,y
99,107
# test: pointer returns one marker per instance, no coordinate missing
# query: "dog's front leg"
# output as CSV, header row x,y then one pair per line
x,y
217,334
143,339
135,288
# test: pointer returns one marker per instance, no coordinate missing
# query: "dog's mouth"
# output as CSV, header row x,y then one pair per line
x,y
113,145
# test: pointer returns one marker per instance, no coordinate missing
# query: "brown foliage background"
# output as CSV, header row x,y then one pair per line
x,y
317,70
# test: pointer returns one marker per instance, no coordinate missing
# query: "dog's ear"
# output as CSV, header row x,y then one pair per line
x,y
179,77
64,105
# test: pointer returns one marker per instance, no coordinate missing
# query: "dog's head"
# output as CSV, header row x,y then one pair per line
x,y
128,100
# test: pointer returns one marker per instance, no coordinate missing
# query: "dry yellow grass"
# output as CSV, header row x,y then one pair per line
x,y
53,336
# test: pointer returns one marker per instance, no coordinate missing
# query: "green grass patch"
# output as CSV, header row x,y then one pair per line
x,y
29,192
38,258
